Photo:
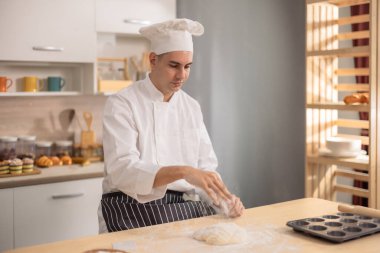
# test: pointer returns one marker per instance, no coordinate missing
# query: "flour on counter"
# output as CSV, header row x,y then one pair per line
x,y
221,234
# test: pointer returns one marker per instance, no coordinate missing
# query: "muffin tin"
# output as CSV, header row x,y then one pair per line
x,y
338,227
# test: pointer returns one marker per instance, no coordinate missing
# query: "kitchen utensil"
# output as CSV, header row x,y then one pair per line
x,y
55,83
105,250
5,83
32,84
88,136
361,210
339,145
327,152
339,227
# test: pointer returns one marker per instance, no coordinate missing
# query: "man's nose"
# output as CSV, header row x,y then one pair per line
x,y
181,74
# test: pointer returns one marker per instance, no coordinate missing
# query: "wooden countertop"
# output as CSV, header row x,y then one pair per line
x,y
54,175
266,227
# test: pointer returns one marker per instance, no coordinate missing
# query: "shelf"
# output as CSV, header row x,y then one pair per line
x,y
362,164
353,35
342,52
339,3
353,19
39,94
352,87
352,72
352,190
339,106
361,176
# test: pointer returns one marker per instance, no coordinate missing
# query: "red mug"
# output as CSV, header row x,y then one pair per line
x,y
5,83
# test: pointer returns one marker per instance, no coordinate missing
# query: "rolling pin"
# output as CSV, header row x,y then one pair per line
x,y
361,210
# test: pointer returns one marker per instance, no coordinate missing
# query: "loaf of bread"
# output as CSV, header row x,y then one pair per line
x,y
44,161
66,160
361,98
56,160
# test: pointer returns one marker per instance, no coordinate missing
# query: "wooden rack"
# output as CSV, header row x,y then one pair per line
x,y
110,86
322,103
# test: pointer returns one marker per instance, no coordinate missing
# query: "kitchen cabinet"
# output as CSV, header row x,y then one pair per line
x,y
127,16
326,114
57,211
6,220
50,31
48,38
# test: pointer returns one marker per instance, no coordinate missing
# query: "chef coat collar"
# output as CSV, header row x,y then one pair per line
x,y
155,94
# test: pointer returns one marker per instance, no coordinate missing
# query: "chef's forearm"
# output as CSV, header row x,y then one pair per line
x,y
169,174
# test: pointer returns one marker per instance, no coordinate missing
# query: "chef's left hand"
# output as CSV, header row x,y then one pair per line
x,y
236,207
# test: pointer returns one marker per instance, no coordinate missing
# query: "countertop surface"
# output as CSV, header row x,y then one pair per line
x,y
55,174
266,227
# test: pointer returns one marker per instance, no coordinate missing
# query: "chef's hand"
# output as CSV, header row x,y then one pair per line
x,y
210,182
236,207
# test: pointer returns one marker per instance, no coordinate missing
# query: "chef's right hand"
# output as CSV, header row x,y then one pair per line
x,y
210,182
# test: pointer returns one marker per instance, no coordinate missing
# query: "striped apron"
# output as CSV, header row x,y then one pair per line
x,y
122,212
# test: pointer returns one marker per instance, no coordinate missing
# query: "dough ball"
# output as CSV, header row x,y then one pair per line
x,y
221,234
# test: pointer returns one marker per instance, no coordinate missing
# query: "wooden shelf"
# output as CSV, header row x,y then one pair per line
x,y
39,94
346,162
339,106
355,175
352,87
342,52
352,72
339,3
352,190
353,35
353,20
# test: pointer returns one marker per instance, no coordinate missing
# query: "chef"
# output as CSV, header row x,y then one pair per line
x,y
158,154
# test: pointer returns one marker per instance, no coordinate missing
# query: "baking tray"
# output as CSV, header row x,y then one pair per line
x,y
339,227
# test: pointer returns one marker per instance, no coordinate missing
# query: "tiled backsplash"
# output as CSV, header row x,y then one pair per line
x,y
50,118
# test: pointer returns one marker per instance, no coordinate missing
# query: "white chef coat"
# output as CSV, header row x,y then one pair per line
x,y
141,134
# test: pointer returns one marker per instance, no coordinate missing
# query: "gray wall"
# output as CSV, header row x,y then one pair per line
x,y
249,77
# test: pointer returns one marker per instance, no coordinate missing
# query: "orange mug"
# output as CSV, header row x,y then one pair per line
x,y
32,84
5,83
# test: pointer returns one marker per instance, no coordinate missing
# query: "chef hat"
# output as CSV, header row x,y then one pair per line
x,y
172,35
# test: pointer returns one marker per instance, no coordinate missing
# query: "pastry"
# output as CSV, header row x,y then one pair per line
x,y
4,167
66,160
15,166
44,162
28,165
56,160
361,98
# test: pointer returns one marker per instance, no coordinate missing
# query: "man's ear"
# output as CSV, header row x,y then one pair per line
x,y
153,59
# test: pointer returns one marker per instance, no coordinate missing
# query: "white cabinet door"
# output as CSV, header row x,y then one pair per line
x,y
6,219
38,30
127,16
58,211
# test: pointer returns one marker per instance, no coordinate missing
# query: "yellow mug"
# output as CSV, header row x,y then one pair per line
x,y
32,84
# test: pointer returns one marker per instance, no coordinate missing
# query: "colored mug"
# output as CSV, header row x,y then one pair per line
x,y
55,83
5,83
32,84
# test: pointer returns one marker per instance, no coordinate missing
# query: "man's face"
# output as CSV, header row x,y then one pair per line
x,y
170,71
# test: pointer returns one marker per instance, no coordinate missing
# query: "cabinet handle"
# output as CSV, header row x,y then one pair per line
x,y
137,21
67,196
49,48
